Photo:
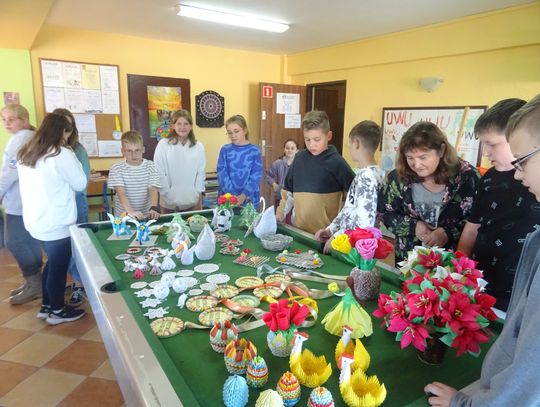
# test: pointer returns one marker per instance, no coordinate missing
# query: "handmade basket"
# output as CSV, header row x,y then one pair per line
x,y
276,242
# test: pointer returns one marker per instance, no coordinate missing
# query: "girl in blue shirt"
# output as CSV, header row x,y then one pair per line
x,y
239,167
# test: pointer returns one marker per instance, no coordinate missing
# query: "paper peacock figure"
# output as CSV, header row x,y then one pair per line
x,y
357,389
119,224
311,370
143,230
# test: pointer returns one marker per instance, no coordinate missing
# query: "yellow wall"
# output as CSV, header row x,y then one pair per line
x,y
482,59
232,73
16,76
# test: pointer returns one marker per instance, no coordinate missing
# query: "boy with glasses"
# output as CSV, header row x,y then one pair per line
x,y
510,373
503,211
135,181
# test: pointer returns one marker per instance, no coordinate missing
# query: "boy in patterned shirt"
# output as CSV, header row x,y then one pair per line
x,y
360,209
135,181
503,210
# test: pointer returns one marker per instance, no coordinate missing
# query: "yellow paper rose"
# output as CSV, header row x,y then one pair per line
x,y
227,195
341,244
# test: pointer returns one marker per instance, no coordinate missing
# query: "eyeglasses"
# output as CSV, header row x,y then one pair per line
x,y
235,132
518,161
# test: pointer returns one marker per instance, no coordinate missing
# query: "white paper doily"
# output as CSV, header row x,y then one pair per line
x,y
206,268
185,273
218,278
138,285
195,291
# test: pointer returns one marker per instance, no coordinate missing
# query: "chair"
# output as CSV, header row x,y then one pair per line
x,y
104,207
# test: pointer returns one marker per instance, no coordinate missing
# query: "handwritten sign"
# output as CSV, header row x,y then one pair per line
x,y
396,121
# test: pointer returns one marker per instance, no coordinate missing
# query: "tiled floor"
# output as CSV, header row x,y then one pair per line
x,y
40,365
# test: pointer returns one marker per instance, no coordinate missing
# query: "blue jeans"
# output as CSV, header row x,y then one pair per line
x,y
82,217
25,249
54,273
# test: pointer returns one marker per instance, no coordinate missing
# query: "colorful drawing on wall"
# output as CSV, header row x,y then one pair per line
x,y
11,98
163,101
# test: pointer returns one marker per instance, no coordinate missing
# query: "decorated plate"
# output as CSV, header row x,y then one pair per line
x,y
248,281
218,278
247,300
230,250
225,291
273,292
277,278
185,273
232,242
201,302
123,256
206,268
133,250
212,316
138,285
153,250
167,326
221,237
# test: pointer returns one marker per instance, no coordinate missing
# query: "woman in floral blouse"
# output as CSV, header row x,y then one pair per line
x,y
428,197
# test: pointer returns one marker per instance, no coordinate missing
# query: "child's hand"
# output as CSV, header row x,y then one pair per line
x,y
422,230
152,214
137,215
328,246
322,235
275,186
440,394
241,199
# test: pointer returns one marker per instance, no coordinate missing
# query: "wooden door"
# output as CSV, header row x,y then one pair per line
x,y
273,132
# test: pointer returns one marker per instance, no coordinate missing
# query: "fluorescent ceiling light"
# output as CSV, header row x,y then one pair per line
x,y
230,19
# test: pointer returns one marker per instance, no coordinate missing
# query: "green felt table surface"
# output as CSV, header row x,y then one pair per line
x,y
198,373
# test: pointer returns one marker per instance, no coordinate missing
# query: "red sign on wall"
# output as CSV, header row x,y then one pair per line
x,y
267,92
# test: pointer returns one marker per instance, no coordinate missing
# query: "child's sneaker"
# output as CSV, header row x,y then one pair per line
x,y
77,297
66,314
44,312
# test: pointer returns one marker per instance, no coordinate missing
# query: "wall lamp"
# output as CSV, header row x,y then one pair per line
x,y
431,83
223,17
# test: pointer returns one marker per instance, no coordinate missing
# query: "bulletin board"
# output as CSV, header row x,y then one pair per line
x,y
92,93
457,122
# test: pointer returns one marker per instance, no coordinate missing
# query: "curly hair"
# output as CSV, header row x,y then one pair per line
x,y
427,136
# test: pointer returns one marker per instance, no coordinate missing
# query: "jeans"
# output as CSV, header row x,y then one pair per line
x,y
82,217
54,273
25,249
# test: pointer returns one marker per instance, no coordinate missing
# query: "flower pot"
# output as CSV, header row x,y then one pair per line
x,y
367,284
435,350
280,345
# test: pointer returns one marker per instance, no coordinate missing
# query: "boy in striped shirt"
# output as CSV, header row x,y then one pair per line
x,y
135,181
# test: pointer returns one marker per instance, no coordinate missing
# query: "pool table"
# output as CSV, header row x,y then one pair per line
x,y
184,370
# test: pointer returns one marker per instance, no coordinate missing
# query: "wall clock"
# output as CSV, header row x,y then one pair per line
x,y
210,109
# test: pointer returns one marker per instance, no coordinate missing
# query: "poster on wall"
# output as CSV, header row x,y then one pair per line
x,y
396,120
11,98
287,103
163,101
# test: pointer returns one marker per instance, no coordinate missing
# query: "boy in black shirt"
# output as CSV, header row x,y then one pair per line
x,y
503,211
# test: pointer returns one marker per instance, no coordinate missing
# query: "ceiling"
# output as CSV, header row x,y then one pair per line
x,y
313,23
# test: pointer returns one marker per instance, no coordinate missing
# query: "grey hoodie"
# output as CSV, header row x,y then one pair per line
x,y
9,178
510,373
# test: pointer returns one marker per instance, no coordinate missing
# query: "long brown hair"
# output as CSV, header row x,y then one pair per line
x,y
427,136
173,137
73,140
47,140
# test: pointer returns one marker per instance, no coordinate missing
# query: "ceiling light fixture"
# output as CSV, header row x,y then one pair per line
x,y
230,19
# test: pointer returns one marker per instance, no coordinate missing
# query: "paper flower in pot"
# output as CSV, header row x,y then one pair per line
x,y
223,214
442,295
283,321
362,247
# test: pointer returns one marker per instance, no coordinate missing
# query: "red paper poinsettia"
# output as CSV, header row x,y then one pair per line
x,y
442,293
284,318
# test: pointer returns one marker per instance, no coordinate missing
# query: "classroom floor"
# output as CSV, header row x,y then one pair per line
x,y
46,366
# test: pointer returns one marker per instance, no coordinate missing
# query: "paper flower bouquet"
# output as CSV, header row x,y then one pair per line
x,y
442,297
362,247
223,214
283,321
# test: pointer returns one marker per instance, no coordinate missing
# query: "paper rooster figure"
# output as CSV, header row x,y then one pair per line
x,y
311,370
352,347
359,390
119,224
143,230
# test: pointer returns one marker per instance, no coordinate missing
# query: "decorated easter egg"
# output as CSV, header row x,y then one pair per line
x,y
288,388
269,398
257,372
221,334
320,397
235,392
